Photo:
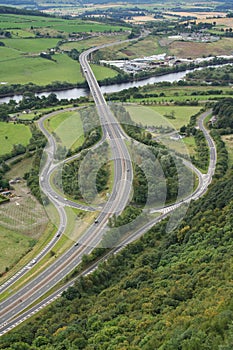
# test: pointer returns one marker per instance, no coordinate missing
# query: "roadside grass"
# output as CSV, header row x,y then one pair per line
x,y
68,129
156,115
228,139
13,246
36,112
102,72
12,134
43,241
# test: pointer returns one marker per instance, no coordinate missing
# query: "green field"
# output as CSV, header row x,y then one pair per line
x,y
13,247
15,68
103,72
155,115
12,134
94,41
40,71
145,47
30,45
9,22
20,168
68,129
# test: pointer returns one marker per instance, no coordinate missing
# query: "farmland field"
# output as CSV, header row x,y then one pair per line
x,y
146,47
94,41
15,68
68,26
11,134
30,45
193,50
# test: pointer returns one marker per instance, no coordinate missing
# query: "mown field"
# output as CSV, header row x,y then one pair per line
x,y
28,45
40,71
156,115
68,129
12,134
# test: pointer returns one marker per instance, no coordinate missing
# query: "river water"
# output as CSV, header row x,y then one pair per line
x,y
79,92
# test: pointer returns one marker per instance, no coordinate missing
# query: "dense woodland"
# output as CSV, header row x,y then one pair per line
x,y
223,111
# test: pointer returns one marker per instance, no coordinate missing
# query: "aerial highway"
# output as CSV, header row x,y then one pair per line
x,y
11,307
123,176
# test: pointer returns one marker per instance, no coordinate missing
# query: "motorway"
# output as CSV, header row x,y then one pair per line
x,y
123,176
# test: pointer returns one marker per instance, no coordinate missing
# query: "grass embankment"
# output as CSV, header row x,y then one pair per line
x,y
68,129
12,134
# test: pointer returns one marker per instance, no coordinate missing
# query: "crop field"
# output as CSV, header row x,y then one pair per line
x,y
200,15
156,115
68,129
12,134
226,22
194,49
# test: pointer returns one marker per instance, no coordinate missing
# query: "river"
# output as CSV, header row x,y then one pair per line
x,y
79,92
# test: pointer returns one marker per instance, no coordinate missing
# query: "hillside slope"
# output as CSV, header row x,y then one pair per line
x,y
166,291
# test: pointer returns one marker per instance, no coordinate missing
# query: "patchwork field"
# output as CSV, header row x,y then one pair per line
x,y
68,26
12,134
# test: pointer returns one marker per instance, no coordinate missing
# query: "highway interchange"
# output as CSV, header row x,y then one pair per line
x,y
11,307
